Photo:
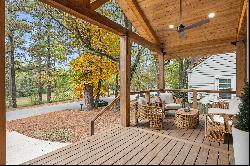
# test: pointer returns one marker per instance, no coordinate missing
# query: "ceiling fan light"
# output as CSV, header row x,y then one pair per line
x,y
171,26
211,15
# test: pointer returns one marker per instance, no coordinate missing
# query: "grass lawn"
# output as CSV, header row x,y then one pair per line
x,y
26,102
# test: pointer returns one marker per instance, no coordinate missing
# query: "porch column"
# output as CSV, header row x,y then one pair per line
x,y
241,66
161,72
125,62
2,86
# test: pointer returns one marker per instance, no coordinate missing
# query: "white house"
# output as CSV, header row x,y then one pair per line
x,y
217,72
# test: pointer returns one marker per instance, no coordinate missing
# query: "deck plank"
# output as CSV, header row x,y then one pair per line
x,y
80,157
151,155
113,148
145,151
112,153
202,157
125,151
70,155
161,155
223,159
172,154
212,157
135,151
86,142
180,158
191,158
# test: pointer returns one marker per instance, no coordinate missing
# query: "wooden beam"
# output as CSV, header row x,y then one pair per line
x,y
200,44
242,21
125,62
83,3
73,7
161,71
241,67
2,86
133,5
96,4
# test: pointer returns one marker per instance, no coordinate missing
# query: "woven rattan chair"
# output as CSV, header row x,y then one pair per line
x,y
215,127
153,113
220,119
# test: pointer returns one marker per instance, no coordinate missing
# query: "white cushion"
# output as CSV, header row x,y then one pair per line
x,y
167,97
218,118
142,101
234,105
172,106
217,110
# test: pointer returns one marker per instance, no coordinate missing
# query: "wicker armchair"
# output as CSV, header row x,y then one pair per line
x,y
153,113
220,119
215,127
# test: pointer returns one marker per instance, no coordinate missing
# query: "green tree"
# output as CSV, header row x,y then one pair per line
x,y
243,115
15,31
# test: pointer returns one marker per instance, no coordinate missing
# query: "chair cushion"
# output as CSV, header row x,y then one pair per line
x,y
234,105
217,110
167,97
218,118
172,106
142,101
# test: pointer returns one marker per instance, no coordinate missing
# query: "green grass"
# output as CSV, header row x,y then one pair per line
x,y
26,101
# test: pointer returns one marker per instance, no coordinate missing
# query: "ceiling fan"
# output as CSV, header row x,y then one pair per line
x,y
181,28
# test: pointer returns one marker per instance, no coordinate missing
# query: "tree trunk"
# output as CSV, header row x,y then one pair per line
x,y
181,74
49,86
12,72
137,61
98,92
116,85
88,96
40,85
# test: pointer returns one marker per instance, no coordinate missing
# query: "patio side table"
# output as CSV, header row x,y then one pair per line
x,y
187,120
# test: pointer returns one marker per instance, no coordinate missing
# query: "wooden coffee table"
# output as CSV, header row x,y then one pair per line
x,y
187,120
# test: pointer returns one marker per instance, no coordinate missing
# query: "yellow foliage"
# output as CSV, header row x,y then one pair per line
x,y
89,69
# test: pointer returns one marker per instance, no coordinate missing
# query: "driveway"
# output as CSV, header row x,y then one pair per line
x,y
25,113
21,148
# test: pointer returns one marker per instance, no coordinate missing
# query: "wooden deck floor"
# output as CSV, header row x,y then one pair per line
x,y
142,146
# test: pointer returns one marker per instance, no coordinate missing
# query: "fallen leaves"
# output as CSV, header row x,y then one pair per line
x,y
64,126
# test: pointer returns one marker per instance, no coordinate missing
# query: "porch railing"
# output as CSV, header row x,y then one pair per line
x,y
107,108
147,95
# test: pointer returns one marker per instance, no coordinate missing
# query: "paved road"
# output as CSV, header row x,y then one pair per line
x,y
24,113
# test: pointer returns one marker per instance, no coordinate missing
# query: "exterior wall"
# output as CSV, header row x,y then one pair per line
x,y
206,75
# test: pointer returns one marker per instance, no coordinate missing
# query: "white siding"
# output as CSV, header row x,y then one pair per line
x,y
205,76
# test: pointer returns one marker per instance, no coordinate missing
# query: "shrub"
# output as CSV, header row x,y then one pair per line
x,y
243,115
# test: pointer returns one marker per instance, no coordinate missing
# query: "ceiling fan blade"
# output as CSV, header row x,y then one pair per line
x,y
197,24
181,34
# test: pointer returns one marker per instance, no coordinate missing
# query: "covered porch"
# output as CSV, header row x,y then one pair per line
x,y
128,144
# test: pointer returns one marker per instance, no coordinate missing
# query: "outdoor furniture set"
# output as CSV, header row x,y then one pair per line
x,y
218,120
157,108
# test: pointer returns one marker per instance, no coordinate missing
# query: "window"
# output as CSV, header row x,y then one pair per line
x,y
224,84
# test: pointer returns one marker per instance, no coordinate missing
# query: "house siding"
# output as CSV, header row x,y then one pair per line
x,y
206,75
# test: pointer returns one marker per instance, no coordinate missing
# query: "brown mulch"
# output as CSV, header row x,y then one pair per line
x,y
64,126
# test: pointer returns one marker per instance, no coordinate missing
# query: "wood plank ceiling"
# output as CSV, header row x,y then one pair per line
x,y
212,38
